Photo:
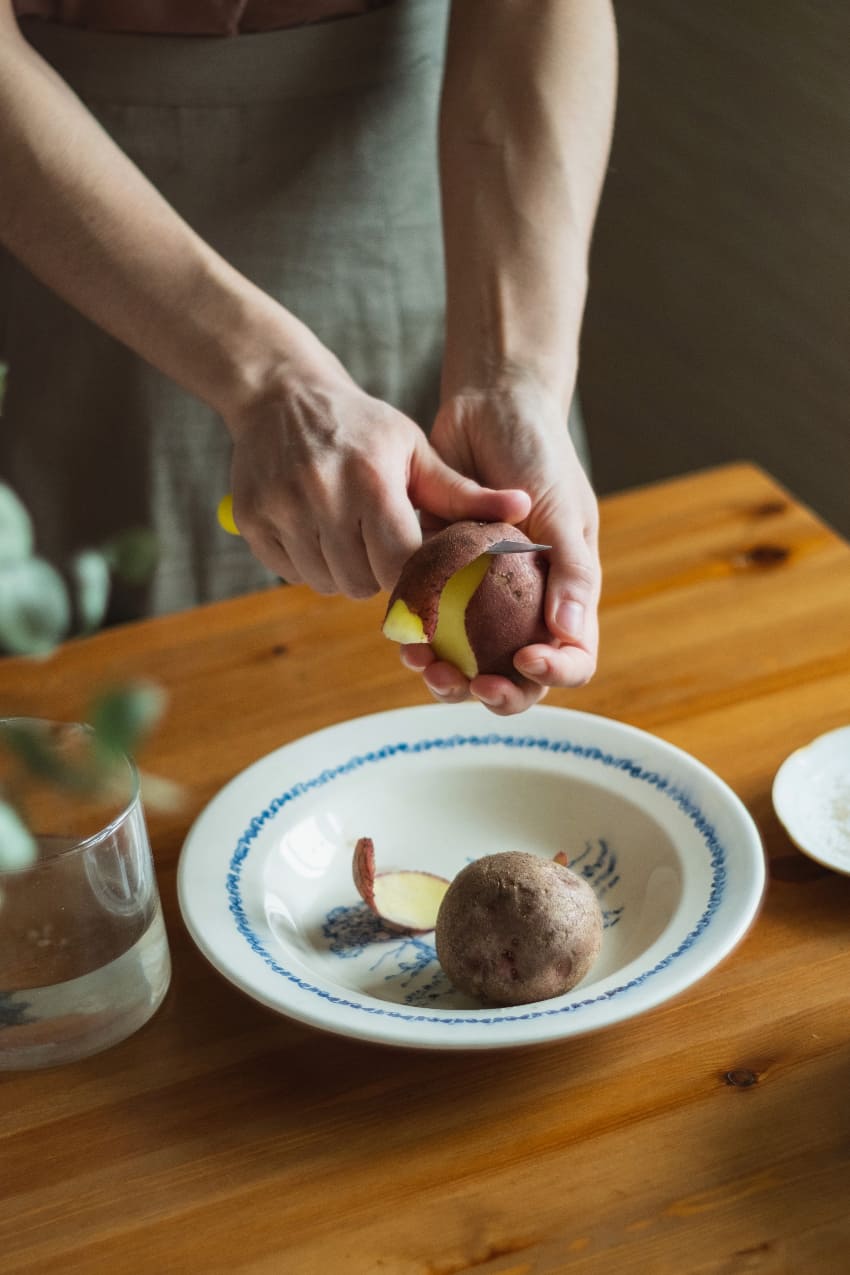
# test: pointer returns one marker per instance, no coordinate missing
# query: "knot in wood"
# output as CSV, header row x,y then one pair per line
x,y
741,1078
760,557
768,508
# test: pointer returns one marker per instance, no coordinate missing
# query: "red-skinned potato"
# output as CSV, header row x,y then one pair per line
x,y
514,928
474,610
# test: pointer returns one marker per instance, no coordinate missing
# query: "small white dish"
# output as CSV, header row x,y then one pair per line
x,y
811,797
266,890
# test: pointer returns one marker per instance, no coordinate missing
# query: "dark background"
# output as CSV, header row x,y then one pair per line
x,y
718,318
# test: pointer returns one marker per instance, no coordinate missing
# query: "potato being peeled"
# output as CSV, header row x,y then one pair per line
x,y
514,928
473,609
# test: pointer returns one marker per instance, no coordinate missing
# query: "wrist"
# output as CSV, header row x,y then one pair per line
x,y
251,349
509,409
547,382
505,333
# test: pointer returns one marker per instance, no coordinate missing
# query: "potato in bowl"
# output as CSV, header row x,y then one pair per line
x,y
514,928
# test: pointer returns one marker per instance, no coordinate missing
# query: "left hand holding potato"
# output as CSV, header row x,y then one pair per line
x,y
517,437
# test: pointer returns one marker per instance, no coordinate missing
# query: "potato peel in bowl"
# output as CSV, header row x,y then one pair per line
x,y
405,899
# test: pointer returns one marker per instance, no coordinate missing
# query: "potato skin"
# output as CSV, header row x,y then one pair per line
x,y
515,928
506,611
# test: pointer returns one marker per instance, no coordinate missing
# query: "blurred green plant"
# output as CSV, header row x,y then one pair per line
x,y
39,608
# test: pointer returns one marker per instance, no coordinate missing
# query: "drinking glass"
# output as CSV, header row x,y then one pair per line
x,y
84,957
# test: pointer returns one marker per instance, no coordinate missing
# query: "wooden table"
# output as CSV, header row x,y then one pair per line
x,y
709,1135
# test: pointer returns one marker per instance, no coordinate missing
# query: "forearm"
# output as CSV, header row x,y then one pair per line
x,y
525,129
85,220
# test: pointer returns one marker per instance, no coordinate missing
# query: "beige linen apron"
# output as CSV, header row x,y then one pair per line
x,y
307,158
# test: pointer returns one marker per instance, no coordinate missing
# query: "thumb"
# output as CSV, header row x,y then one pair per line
x,y
436,488
572,595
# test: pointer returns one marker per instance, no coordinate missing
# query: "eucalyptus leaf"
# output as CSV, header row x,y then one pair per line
x,y
34,609
17,844
123,716
89,572
132,555
162,795
36,612
83,771
16,532
32,742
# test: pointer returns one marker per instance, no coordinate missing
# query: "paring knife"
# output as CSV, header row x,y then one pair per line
x,y
514,546
225,519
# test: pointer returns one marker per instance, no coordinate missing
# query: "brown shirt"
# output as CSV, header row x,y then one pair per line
x,y
191,17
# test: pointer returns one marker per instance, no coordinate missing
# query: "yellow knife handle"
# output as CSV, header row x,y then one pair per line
x,y
225,515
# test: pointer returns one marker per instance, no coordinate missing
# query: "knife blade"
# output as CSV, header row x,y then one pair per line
x,y
514,546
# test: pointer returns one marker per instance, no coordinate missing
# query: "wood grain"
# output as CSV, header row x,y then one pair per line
x,y
710,1135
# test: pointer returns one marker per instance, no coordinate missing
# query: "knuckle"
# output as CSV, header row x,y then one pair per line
x,y
366,474
582,573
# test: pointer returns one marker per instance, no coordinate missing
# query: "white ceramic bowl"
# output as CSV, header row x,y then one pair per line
x,y
811,796
266,889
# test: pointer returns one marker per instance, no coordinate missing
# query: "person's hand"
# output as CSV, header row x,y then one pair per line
x,y
517,437
327,481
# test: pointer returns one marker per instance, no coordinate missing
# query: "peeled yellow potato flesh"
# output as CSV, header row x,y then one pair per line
x,y
450,641
401,625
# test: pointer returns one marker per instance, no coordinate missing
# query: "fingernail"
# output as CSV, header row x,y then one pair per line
x,y
492,701
570,618
440,680
532,668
